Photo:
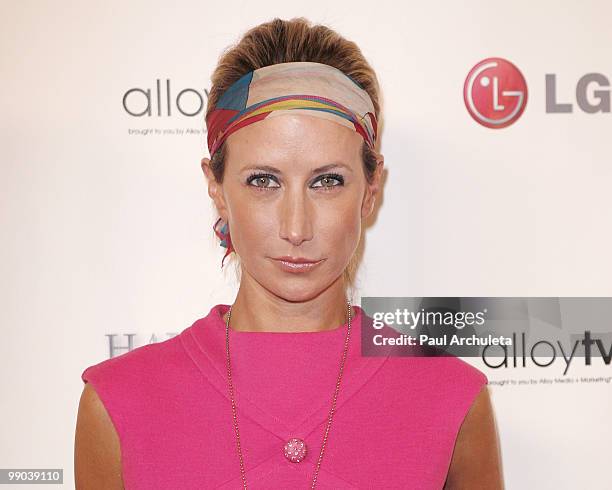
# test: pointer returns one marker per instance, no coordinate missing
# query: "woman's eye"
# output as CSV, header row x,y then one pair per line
x,y
262,180
328,181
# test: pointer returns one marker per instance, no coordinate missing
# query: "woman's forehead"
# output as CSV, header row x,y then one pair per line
x,y
300,138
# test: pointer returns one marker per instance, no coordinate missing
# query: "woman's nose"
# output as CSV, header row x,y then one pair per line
x,y
295,219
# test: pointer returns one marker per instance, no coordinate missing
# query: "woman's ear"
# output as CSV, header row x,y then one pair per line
x,y
215,191
373,188
205,164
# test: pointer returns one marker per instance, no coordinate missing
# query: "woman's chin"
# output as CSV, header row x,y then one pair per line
x,y
294,289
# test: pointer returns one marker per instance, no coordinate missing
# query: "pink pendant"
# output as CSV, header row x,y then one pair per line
x,y
295,450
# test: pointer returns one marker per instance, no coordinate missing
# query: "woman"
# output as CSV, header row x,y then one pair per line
x,y
272,391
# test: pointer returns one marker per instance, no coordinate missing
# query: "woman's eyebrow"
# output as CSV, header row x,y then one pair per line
x,y
324,168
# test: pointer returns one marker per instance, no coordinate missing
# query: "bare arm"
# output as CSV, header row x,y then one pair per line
x,y
97,452
476,461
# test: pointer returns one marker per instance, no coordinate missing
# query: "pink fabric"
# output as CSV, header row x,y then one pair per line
x,y
395,424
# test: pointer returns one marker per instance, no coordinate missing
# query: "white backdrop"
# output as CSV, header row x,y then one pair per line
x,y
107,230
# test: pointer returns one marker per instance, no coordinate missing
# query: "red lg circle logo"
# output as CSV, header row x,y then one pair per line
x,y
495,93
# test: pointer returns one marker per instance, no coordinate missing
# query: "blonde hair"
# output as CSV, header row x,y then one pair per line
x,y
283,41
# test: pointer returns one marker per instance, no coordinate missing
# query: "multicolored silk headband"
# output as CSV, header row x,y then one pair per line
x,y
319,89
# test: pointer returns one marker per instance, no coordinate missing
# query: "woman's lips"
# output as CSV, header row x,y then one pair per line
x,y
301,266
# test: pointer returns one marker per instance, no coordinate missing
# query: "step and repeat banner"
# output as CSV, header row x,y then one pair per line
x,y
496,130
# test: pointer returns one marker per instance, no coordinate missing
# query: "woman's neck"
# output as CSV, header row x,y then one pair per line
x,y
260,311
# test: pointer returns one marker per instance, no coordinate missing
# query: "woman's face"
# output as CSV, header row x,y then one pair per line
x,y
294,186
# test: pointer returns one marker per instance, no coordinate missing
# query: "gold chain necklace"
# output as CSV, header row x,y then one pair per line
x,y
295,449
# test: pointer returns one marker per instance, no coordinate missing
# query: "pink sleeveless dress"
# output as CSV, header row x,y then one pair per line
x,y
395,424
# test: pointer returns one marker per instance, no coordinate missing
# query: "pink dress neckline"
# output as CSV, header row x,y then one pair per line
x,y
220,310
261,361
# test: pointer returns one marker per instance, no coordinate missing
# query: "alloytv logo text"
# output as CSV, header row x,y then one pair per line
x,y
544,353
495,94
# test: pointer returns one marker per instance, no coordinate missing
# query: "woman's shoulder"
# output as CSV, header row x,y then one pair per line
x,y
459,368
130,383
133,364
154,364
448,377
430,366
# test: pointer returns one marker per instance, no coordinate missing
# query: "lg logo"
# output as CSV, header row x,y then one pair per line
x,y
495,93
